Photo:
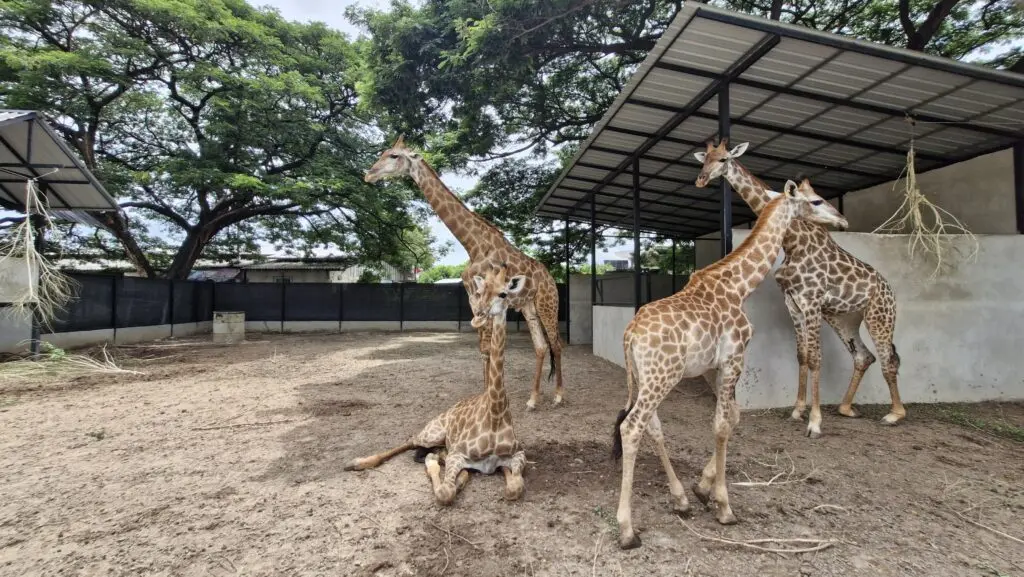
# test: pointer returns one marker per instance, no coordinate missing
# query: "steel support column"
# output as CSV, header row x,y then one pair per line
x,y
1018,183
673,266
723,133
568,281
636,233
593,249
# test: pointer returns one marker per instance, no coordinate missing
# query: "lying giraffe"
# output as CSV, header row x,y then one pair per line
x,y
820,280
701,328
477,432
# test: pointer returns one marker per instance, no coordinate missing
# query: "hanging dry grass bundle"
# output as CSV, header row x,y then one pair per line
x,y
933,233
27,279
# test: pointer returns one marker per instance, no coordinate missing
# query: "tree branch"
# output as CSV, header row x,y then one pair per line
x,y
161,210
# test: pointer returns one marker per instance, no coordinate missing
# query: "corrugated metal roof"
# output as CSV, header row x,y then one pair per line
x,y
30,148
809,103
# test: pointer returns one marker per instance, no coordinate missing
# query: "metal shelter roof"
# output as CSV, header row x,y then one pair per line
x,y
29,148
810,103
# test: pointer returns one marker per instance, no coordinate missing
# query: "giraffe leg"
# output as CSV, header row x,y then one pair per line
x,y
727,415
881,320
445,489
650,394
848,329
540,350
680,503
547,311
514,476
812,330
433,435
799,327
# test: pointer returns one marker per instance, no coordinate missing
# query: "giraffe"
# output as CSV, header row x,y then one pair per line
x,y
539,298
701,328
477,432
820,280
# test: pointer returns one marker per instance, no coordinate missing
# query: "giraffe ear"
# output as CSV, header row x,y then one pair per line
x,y
479,282
739,150
790,189
516,284
400,142
700,156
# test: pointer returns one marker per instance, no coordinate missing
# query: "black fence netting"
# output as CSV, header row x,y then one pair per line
x,y
312,302
105,301
371,302
431,302
259,301
143,302
92,307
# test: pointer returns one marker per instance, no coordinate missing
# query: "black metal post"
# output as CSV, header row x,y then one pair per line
x,y
401,306
673,266
593,250
195,302
723,132
341,305
458,300
284,288
1018,183
170,305
840,204
115,286
636,233
568,280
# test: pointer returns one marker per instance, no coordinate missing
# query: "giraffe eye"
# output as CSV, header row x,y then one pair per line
x,y
393,155
502,295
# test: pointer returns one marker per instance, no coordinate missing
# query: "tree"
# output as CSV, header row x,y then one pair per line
x,y
659,256
442,271
220,126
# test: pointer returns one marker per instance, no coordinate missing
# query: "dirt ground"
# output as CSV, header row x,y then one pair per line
x,y
228,461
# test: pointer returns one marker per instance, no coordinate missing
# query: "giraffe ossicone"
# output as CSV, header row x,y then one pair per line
x,y
820,281
538,301
701,329
477,432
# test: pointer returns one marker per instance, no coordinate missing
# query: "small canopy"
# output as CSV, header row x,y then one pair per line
x,y
810,103
29,148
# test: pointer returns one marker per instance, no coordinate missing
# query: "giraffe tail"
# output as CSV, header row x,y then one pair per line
x,y
630,387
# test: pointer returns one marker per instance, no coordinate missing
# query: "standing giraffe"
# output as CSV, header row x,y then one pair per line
x,y
477,432
820,280
701,328
539,299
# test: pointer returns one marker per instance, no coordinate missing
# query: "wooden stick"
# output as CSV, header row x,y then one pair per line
x,y
753,543
996,531
257,424
450,532
597,549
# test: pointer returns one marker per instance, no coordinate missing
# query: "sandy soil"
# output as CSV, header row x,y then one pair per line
x,y
228,461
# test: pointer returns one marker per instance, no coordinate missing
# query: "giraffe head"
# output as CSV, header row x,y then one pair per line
x,y
493,290
395,162
810,206
716,160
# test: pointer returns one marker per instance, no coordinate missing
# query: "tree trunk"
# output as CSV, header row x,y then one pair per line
x,y
114,221
776,10
189,251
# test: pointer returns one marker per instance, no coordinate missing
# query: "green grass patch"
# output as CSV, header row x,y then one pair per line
x,y
961,415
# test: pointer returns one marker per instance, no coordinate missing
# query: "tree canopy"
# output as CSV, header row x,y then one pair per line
x,y
219,126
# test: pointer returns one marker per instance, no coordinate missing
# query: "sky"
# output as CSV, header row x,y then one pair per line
x,y
333,14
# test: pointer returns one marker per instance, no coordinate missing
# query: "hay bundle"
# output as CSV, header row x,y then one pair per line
x,y
931,230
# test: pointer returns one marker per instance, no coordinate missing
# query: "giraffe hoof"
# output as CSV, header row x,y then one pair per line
x,y
813,432
891,419
702,495
557,401
727,518
797,415
630,543
683,511
531,404
848,412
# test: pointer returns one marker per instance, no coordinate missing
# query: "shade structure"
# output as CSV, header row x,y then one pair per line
x,y
839,111
29,148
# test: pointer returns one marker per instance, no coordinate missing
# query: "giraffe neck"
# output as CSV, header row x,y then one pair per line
x,y
475,234
496,366
751,189
742,270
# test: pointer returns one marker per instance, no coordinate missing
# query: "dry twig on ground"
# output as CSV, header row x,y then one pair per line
x,y
787,477
756,544
55,362
451,533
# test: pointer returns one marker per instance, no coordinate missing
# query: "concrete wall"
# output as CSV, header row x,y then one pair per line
x,y
15,329
580,310
617,288
609,325
979,192
959,337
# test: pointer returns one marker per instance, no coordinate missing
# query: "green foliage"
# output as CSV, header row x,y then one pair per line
x,y
441,271
659,257
220,126
601,269
369,275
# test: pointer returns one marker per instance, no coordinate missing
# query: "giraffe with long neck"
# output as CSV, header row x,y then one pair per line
x,y
820,280
477,433
538,302
701,328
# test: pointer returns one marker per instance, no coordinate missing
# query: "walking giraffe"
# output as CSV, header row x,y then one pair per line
x,y
477,432
539,300
701,328
820,280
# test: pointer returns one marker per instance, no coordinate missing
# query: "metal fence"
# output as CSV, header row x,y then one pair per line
x,y
107,301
